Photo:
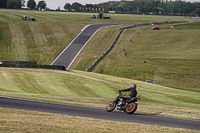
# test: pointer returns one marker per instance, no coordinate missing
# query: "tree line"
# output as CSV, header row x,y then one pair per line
x,y
175,7
123,6
17,4
154,6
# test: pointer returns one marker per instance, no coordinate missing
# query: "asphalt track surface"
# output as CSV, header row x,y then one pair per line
x,y
69,54
99,113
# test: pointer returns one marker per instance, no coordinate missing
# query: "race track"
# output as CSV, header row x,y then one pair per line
x,y
68,55
98,113
65,59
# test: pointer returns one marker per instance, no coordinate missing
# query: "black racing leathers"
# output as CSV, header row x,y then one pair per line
x,y
132,92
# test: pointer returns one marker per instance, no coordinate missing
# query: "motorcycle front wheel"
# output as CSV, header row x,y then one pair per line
x,y
111,106
131,108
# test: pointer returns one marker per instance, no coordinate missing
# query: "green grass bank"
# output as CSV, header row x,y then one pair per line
x,y
13,120
44,39
95,90
172,60
172,55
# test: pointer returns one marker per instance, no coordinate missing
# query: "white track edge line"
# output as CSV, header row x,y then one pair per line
x,y
83,47
66,47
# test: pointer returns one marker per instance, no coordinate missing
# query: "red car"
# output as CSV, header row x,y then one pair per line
x,y
155,28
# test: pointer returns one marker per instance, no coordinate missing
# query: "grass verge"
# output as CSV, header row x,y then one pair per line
x,y
13,120
95,90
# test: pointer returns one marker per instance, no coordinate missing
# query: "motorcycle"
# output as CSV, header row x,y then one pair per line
x,y
123,103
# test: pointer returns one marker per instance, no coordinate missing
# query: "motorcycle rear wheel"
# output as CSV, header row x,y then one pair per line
x,y
131,108
111,106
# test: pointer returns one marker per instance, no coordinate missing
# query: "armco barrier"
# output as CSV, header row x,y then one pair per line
x,y
28,64
17,62
112,45
105,53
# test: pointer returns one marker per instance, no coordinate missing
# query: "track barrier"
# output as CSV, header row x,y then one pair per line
x,y
29,64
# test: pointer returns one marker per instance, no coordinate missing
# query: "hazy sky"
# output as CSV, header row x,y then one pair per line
x,y
54,4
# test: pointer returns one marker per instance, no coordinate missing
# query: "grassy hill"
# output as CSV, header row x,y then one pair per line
x,y
172,55
95,90
44,39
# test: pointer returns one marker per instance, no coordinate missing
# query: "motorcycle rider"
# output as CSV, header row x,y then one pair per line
x,y
132,92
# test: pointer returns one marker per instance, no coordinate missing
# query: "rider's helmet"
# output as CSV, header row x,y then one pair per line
x,y
133,86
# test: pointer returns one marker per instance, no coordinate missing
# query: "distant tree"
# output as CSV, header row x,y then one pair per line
x,y
42,5
157,9
89,5
14,4
142,6
75,6
186,10
156,2
149,6
67,6
3,3
198,11
31,4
